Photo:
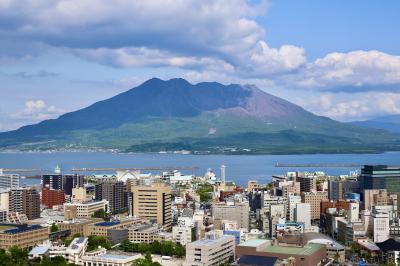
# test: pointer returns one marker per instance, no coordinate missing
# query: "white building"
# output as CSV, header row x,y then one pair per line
x,y
108,259
354,212
213,250
86,209
303,214
4,199
9,181
380,226
182,234
76,249
292,202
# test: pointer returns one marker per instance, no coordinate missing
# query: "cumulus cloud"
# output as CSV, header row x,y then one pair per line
x,y
352,72
37,110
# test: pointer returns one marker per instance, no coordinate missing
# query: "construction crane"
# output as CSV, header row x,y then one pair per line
x,y
318,165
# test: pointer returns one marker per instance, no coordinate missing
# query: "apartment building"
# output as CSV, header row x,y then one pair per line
x,y
182,234
112,190
9,181
52,197
153,203
213,250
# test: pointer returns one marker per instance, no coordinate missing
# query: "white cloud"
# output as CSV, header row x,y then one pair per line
x,y
352,72
37,110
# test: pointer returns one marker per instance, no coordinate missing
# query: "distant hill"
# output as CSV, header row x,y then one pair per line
x,y
206,117
389,123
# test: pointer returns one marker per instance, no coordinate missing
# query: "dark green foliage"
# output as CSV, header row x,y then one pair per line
x,y
205,192
100,214
95,241
165,248
53,228
146,261
16,256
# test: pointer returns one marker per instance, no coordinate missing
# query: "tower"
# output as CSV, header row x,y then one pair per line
x,y
223,173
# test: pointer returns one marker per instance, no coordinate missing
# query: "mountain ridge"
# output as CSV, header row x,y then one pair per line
x,y
206,117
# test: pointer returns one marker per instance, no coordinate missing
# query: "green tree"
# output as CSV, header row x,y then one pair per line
x,y
144,248
53,228
146,261
167,248
155,247
19,256
100,214
95,241
179,251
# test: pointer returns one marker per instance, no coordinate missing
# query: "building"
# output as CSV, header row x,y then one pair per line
x,y
314,199
211,251
232,211
76,250
101,228
292,202
84,209
77,226
23,236
303,214
103,258
31,203
307,183
143,233
380,177
347,231
339,205
5,199
333,248
303,255
52,197
15,200
9,181
341,189
53,181
378,197
182,234
380,226
70,182
153,203
113,191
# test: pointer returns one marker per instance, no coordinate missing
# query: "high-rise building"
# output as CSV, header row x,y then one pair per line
x,y
292,202
70,182
307,183
153,203
380,177
381,227
9,181
4,199
113,191
53,181
15,200
52,197
341,189
314,199
31,203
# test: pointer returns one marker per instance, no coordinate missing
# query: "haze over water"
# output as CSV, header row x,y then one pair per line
x,y
240,168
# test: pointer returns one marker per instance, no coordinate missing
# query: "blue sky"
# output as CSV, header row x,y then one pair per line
x,y
335,58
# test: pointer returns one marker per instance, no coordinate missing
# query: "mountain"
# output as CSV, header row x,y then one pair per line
x,y
389,123
207,117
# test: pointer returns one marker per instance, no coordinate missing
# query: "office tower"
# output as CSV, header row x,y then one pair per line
x,y
53,181
303,214
113,191
314,199
378,197
9,181
70,182
31,203
380,177
232,211
380,226
153,203
52,197
341,189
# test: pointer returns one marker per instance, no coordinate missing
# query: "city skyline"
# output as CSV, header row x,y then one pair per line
x,y
338,59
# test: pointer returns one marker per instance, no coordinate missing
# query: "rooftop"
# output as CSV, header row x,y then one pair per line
x,y
306,250
253,243
21,229
107,223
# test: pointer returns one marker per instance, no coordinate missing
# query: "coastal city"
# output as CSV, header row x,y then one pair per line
x,y
132,217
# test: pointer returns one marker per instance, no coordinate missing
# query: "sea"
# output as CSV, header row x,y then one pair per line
x,y
239,168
